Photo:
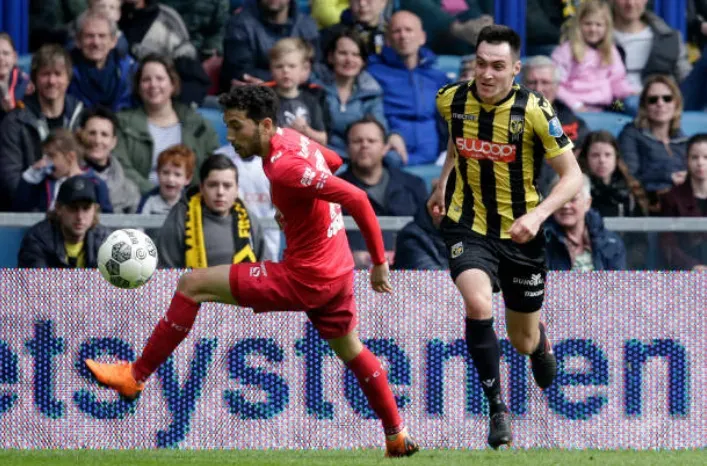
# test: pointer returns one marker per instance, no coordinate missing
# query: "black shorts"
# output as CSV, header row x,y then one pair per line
x,y
517,270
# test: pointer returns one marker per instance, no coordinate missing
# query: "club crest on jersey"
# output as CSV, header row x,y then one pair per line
x,y
554,127
516,128
457,250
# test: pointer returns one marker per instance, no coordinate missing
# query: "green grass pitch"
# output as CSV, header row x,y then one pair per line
x,y
347,457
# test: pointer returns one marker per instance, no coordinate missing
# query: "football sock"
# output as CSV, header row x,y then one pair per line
x,y
485,351
374,382
543,339
167,335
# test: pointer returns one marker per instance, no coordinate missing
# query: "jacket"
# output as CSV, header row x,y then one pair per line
x,y
405,194
205,21
21,134
84,88
668,53
373,37
171,242
682,251
648,160
591,82
123,192
328,12
608,251
420,246
367,98
39,197
19,80
409,102
134,149
249,37
43,246
614,199
544,20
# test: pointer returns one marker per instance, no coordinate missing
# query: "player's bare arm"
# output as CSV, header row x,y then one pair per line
x,y
565,165
435,204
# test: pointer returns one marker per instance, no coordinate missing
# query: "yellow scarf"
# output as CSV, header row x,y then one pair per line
x,y
195,255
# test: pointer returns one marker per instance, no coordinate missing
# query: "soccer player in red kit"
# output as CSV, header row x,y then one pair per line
x,y
315,276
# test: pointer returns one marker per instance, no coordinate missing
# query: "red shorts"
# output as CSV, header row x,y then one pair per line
x,y
270,287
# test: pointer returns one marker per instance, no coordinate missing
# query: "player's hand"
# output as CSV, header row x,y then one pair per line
x,y
435,204
526,227
380,278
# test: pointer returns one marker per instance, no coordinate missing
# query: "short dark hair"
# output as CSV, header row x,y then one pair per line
x,y
99,112
168,66
216,162
698,138
367,119
498,34
258,102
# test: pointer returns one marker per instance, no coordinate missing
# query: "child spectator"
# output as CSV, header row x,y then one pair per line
x,y
300,108
98,135
62,159
175,168
593,75
13,81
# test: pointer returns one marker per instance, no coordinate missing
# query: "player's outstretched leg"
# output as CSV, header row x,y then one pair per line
x,y
194,288
373,380
528,336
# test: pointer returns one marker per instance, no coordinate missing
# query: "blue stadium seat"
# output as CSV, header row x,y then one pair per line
x,y
449,64
426,172
215,117
609,121
24,62
694,122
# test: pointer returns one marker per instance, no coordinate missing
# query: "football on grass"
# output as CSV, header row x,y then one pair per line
x,y
127,258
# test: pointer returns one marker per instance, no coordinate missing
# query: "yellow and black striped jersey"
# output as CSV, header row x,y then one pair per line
x,y
499,150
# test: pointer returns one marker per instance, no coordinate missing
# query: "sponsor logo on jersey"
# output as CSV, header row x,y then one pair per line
x,y
471,148
464,116
308,176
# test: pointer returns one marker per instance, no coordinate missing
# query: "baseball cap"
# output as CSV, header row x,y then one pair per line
x,y
77,188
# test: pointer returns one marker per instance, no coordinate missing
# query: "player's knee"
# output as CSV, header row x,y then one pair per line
x,y
523,341
191,284
478,305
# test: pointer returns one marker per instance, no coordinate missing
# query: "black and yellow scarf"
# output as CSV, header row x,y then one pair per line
x,y
195,255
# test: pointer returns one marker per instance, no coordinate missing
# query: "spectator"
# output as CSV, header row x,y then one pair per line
x,y
697,23
694,91
615,192
159,123
98,131
452,26
101,75
653,146
211,225
328,12
206,21
410,82
420,246
351,93
14,82
300,108
254,31
541,75
688,251
152,28
175,169
109,8
367,19
254,189
544,24
23,129
391,191
593,76
577,239
49,20
467,68
649,46
70,235
62,159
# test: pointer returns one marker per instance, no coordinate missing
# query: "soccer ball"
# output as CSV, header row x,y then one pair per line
x,y
127,258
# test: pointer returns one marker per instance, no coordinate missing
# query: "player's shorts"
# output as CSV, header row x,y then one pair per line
x,y
517,270
270,287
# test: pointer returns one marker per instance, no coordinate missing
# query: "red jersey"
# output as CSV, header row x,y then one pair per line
x,y
309,199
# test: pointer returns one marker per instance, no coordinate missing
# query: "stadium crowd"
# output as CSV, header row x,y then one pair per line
x,y
119,95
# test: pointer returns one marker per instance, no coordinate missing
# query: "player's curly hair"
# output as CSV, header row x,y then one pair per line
x,y
259,102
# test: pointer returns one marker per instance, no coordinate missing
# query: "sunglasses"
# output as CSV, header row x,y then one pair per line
x,y
655,98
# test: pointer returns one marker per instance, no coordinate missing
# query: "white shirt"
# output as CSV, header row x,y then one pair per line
x,y
162,138
254,190
637,46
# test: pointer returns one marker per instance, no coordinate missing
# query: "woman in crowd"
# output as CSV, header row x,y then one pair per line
x,y
158,123
14,82
688,250
615,192
653,145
